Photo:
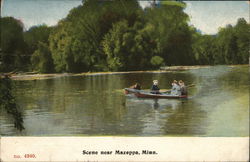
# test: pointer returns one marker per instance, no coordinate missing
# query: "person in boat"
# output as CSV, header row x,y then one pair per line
x,y
176,89
183,88
155,89
136,86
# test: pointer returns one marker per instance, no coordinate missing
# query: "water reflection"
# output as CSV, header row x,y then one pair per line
x,y
165,115
156,104
96,105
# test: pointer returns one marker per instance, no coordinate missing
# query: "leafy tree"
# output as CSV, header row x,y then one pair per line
x,y
41,59
173,3
75,43
204,49
8,102
228,46
36,34
242,33
12,44
119,35
172,33
59,45
112,46
128,48
157,61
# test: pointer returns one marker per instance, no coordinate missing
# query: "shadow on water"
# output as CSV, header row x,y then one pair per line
x,y
8,102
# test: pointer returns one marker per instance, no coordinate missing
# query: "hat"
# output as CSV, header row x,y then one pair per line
x,y
155,81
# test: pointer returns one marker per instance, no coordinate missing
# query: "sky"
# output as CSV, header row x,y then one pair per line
x,y
206,16
209,16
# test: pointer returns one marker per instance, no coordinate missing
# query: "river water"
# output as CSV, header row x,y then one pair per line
x,y
218,105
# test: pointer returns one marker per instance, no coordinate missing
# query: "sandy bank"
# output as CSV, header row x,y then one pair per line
x,y
31,76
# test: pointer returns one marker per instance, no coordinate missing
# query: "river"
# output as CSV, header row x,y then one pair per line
x,y
95,105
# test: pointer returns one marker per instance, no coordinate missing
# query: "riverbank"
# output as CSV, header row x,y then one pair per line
x,y
38,76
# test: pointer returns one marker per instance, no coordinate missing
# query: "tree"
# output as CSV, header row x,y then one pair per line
x,y
119,35
36,34
41,59
8,102
12,44
157,61
229,46
59,45
204,49
243,39
171,33
75,43
226,44
128,48
112,46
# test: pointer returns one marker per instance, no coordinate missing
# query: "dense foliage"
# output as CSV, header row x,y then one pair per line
x,y
229,46
8,102
37,41
42,60
120,36
12,45
36,34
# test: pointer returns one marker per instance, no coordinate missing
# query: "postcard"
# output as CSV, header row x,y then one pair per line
x,y
103,80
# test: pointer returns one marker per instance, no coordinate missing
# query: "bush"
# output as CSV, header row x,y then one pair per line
x,y
157,61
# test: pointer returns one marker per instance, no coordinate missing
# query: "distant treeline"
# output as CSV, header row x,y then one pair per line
x,y
119,36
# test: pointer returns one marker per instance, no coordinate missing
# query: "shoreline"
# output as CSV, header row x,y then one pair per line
x,y
41,76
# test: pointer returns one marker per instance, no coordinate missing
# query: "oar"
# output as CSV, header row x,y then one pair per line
x,y
191,85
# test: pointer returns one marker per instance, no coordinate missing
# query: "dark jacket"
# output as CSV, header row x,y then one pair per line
x,y
184,90
155,89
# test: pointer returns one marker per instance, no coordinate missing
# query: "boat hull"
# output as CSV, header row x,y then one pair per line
x,y
131,91
145,94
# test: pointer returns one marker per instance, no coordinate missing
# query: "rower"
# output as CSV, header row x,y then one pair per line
x,y
155,89
183,88
176,89
136,86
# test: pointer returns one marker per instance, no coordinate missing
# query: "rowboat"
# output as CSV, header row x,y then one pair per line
x,y
147,94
